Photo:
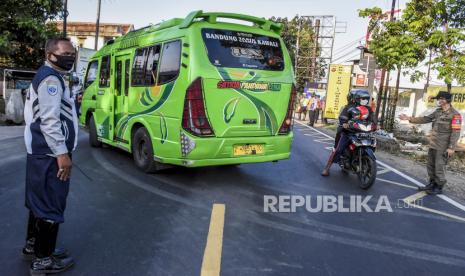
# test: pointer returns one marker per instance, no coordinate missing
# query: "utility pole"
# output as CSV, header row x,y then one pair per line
x,y
392,112
380,94
65,16
383,74
97,24
385,98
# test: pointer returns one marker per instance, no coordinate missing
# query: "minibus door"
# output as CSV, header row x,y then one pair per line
x,y
121,91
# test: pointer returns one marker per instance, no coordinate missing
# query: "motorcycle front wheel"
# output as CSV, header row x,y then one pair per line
x,y
367,174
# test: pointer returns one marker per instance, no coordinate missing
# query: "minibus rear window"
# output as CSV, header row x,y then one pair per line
x,y
243,50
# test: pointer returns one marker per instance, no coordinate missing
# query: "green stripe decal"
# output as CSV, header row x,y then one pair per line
x,y
267,116
230,109
125,121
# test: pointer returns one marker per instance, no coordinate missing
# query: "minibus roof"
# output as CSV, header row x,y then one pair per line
x,y
195,16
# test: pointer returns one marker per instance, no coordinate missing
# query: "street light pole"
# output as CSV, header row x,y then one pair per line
x,y
97,24
65,16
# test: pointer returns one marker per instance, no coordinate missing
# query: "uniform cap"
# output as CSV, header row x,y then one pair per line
x,y
443,94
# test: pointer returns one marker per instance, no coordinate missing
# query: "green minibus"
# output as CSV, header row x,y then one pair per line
x,y
209,89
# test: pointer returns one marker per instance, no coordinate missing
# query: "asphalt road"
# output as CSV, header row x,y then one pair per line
x,y
120,221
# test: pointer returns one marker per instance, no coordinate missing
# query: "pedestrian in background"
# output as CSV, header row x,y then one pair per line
x,y
442,141
50,136
322,110
303,108
313,109
297,106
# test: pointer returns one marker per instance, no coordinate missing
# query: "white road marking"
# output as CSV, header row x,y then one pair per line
x,y
396,183
414,181
322,141
383,171
326,139
410,200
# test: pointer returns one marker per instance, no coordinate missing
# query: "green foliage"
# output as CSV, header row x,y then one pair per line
x,y
426,25
289,33
306,35
392,44
24,29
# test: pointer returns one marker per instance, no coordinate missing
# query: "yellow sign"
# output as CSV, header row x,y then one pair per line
x,y
339,80
458,96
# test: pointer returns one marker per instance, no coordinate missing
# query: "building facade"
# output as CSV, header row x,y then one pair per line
x,y
82,34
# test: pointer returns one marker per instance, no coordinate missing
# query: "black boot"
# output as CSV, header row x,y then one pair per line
x,y
28,249
44,247
43,266
437,190
28,252
428,187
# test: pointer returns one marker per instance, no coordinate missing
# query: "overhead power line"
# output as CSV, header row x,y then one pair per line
x,y
342,48
345,55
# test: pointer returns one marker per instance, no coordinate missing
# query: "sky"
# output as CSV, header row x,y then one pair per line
x,y
143,12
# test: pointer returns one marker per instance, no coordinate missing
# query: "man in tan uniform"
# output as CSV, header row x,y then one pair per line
x,y
442,141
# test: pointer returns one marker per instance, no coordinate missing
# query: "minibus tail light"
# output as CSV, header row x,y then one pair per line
x,y
286,126
194,118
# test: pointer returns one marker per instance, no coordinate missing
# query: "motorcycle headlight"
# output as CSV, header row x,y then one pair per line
x,y
358,143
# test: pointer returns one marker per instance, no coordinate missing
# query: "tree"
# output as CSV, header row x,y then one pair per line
x,y
394,49
440,25
24,29
299,28
435,26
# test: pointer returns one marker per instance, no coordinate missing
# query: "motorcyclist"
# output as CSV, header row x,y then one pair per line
x,y
343,115
358,109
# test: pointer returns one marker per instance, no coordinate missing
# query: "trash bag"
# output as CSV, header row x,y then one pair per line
x,y
14,110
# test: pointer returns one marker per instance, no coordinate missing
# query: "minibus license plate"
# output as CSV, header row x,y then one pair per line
x,y
247,149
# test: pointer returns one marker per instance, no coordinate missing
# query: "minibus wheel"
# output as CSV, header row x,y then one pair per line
x,y
142,151
93,139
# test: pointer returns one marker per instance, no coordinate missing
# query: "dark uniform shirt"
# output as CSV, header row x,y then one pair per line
x,y
446,128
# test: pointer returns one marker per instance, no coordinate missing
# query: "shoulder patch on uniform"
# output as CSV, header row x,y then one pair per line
x,y
456,122
52,89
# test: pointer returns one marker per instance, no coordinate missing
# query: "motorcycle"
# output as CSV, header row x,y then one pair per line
x,y
359,157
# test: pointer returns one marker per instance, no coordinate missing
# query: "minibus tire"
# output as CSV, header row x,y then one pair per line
x,y
93,139
142,151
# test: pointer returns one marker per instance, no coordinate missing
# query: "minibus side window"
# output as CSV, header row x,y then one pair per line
x,y
105,72
126,77
91,73
138,67
152,65
119,68
170,62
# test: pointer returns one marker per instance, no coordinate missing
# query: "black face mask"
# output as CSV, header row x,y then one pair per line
x,y
64,62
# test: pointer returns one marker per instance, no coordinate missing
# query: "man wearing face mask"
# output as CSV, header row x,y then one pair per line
x,y
50,136
442,141
357,100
